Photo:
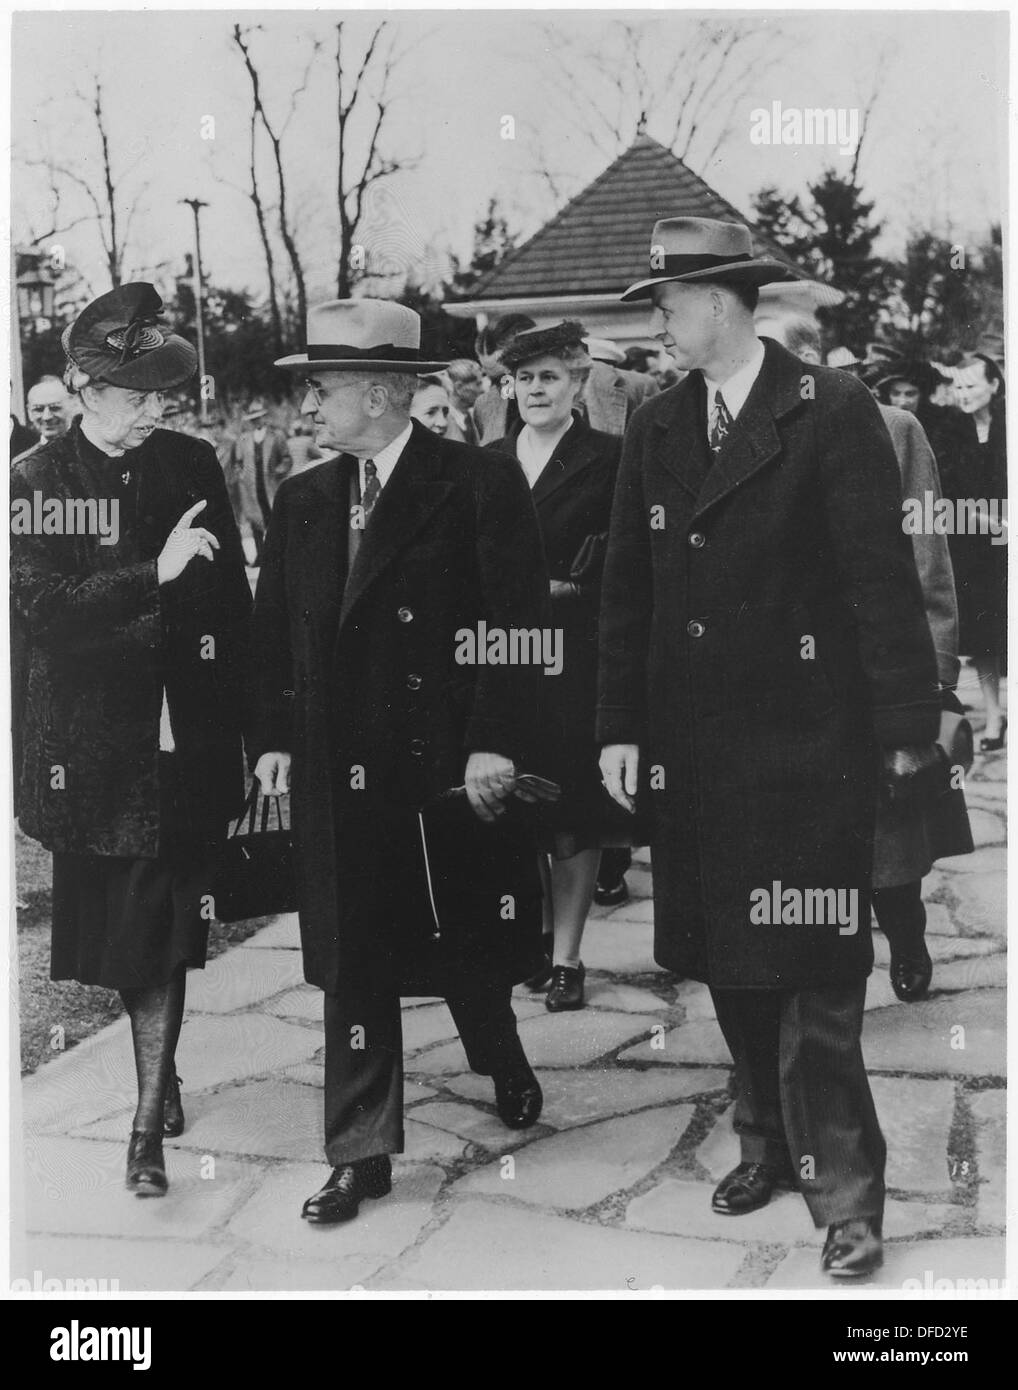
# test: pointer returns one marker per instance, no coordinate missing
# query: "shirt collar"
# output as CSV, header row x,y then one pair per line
x,y
739,384
386,459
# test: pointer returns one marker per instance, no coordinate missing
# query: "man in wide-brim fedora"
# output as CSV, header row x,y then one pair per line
x,y
765,662
258,463
375,564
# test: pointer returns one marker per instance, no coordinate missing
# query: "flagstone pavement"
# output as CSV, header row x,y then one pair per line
x,y
611,1190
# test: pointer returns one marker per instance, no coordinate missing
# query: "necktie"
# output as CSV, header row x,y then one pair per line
x,y
372,488
720,424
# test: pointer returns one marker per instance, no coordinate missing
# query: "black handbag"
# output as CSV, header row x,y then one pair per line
x,y
256,873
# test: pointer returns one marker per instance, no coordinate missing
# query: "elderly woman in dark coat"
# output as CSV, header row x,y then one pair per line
x,y
133,603
571,470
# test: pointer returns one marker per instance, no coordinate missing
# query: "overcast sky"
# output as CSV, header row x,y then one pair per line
x,y
934,153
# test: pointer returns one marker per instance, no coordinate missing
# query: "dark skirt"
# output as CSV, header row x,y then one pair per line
x,y
132,923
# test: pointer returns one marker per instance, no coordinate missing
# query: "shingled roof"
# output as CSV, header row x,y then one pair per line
x,y
600,241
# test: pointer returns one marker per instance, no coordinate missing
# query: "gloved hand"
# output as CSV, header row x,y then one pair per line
x,y
903,765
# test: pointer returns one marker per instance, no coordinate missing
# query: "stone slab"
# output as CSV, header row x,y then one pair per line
x,y
422,1027
271,1119
487,1246
939,920
619,947
924,1044
270,1219
239,979
576,1098
94,1079
635,910
975,972
988,827
76,1187
941,948
690,1043
553,1040
580,1167
675,1207
989,1115
990,860
719,1152
337,1275
981,903
695,1001
606,994
473,1125
908,1266
426,1144
214,1049
162,1265
916,1118
304,1003
282,933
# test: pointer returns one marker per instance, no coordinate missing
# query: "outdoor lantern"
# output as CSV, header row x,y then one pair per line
x,y
35,291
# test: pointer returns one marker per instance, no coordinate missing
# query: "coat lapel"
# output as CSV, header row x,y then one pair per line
x,y
755,439
573,453
682,444
409,499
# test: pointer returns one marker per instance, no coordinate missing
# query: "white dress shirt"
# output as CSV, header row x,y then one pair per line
x,y
737,388
386,459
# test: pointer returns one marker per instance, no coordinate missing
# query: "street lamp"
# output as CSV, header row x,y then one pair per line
x,y
36,284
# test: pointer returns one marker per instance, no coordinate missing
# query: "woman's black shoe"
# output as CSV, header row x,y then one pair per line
x,y
173,1110
911,974
146,1168
994,745
566,988
518,1096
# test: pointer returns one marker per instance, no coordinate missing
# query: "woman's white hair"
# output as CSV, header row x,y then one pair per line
x,y
76,380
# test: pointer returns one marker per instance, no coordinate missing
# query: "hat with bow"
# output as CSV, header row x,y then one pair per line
x,y
120,339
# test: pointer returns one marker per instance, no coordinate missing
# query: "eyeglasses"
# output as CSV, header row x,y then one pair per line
x,y
316,391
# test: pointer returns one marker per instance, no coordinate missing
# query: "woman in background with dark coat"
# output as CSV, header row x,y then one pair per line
x,y
571,470
131,764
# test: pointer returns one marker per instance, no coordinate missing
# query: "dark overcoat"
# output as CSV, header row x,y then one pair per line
x,y
357,679
573,499
99,638
762,635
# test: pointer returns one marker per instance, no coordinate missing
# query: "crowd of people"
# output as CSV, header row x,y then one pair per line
x,y
756,676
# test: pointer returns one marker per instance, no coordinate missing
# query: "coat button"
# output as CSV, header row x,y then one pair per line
x,y
414,681
417,747
697,539
695,628
405,615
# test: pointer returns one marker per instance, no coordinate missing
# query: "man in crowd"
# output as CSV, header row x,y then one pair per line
x,y
765,662
260,462
414,875
50,408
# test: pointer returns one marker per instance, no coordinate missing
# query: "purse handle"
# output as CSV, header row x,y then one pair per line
x,y
249,811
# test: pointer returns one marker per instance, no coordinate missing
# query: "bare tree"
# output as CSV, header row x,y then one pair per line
x,y
680,78
111,211
275,137
355,177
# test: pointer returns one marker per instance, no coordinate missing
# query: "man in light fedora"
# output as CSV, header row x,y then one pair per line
x,y
416,872
259,462
765,663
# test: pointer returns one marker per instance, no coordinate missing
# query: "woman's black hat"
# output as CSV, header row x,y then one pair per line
x,y
537,342
119,339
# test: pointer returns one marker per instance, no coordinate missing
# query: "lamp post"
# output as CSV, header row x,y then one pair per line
x,y
195,204
34,285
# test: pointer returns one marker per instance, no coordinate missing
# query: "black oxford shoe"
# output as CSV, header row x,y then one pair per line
x,y
853,1249
173,1109
747,1188
911,974
611,894
566,989
146,1168
346,1188
518,1096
